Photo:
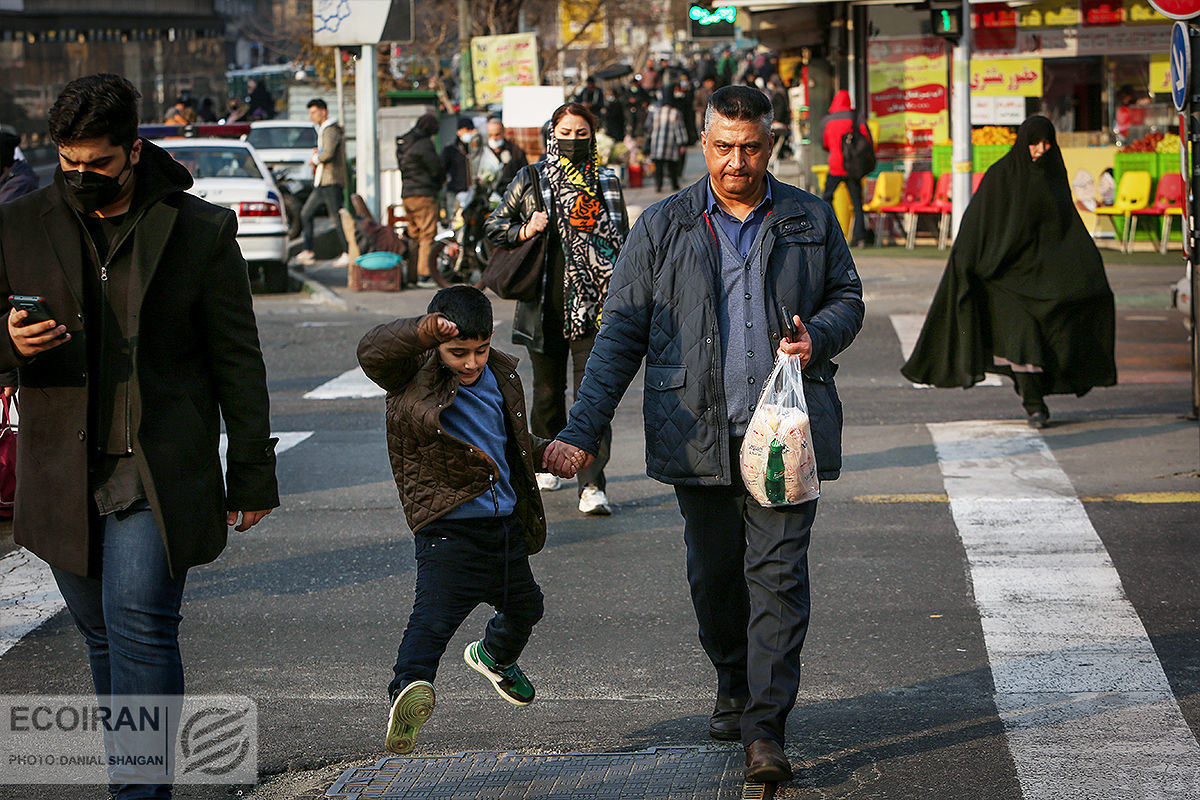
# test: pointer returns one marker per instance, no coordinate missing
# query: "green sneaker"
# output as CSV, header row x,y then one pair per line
x,y
510,682
410,710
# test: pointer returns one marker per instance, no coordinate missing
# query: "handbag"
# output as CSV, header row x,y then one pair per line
x,y
8,459
516,273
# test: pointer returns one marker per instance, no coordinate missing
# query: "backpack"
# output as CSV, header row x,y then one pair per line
x,y
858,152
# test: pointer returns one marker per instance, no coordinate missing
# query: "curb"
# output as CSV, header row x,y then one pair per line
x,y
318,291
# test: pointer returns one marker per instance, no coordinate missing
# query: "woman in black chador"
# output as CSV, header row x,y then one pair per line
x,y
1024,293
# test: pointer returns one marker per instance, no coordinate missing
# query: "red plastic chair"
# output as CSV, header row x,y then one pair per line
x,y
1168,202
918,191
941,206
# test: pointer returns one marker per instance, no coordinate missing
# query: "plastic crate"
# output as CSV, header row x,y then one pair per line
x,y
1129,162
943,159
984,155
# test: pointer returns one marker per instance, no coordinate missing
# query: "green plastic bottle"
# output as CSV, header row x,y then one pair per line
x,y
774,482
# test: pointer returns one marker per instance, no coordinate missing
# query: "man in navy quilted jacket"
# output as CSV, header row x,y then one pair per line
x,y
697,293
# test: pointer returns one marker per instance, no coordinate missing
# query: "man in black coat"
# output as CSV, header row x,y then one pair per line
x,y
512,158
698,293
151,341
421,177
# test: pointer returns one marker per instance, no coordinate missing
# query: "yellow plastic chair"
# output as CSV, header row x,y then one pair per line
x,y
889,190
1133,193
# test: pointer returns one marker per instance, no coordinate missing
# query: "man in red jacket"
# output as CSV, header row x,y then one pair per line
x,y
837,124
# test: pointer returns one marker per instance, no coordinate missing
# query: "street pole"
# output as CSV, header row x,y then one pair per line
x,y
466,81
366,103
960,134
341,87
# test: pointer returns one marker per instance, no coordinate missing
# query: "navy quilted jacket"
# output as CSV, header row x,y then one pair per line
x,y
661,308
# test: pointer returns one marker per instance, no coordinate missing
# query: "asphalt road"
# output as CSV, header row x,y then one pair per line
x,y
907,688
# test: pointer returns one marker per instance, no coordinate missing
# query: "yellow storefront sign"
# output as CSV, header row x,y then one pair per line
x,y
507,60
581,23
1049,14
1007,77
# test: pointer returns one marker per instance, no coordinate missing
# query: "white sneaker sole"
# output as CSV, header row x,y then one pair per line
x,y
412,709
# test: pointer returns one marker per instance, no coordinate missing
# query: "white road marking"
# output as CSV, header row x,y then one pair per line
x,y
908,329
28,594
351,384
1087,709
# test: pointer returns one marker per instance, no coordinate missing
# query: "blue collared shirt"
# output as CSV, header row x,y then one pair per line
x,y
741,232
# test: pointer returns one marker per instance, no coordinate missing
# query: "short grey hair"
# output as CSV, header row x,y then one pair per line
x,y
744,103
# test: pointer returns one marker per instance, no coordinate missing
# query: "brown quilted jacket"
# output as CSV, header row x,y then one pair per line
x,y
434,471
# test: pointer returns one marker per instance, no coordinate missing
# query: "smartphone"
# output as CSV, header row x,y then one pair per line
x,y
34,305
789,325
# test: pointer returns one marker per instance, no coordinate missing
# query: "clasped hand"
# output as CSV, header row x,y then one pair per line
x,y
564,460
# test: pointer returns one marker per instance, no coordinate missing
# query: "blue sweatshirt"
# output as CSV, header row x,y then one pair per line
x,y
477,417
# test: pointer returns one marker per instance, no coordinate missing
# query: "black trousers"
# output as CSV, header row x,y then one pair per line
x,y
548,415
324,199
460,564
667,168
748,571
858,231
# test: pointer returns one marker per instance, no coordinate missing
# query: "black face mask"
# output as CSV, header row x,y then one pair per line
x,y
88,192
577,151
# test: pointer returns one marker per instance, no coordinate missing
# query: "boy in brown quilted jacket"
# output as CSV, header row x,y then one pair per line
x,y
463,459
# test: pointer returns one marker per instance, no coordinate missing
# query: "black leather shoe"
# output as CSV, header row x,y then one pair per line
x,y
766,763
726,721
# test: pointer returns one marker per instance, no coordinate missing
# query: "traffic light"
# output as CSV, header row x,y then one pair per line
x,y
946,22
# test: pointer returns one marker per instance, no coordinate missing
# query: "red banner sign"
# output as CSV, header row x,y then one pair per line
x,y
1177,9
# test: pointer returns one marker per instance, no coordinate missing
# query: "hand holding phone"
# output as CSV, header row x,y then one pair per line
x,y
789,324
31,326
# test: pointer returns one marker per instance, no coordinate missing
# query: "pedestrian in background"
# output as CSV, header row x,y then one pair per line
x,y
17,178
421,178
668,143
260,101
511,156
464,464
578,206
456,164
591,97
181,113
1024,293
838,122
700,100
702,282
153,344
329,183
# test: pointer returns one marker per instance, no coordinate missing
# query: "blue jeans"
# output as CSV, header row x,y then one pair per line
x,y
460,564
129,617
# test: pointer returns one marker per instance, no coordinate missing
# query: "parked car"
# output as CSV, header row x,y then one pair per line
x,y
229,173
286,146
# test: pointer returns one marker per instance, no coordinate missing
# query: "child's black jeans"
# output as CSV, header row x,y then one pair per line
x,y
460,564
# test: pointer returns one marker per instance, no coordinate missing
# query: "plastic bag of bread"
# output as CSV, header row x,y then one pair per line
x,y
779,466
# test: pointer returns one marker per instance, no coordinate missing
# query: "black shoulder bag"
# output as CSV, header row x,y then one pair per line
x,y
516,273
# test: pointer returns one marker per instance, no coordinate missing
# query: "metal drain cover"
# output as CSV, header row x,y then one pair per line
x,y
663,773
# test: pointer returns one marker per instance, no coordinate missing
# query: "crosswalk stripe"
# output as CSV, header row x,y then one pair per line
x,y
908,330
350,384
28,594
1085,703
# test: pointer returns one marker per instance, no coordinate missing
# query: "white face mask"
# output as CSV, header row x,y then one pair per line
x,y
494,143
466,138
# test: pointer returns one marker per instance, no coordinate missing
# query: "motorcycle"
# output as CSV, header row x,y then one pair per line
x,y
461,253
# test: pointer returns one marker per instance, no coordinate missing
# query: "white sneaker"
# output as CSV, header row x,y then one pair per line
x,y
549,482
342,261
593,501
305,257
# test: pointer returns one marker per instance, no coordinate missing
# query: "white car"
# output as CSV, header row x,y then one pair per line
x,y
285,145
229,173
